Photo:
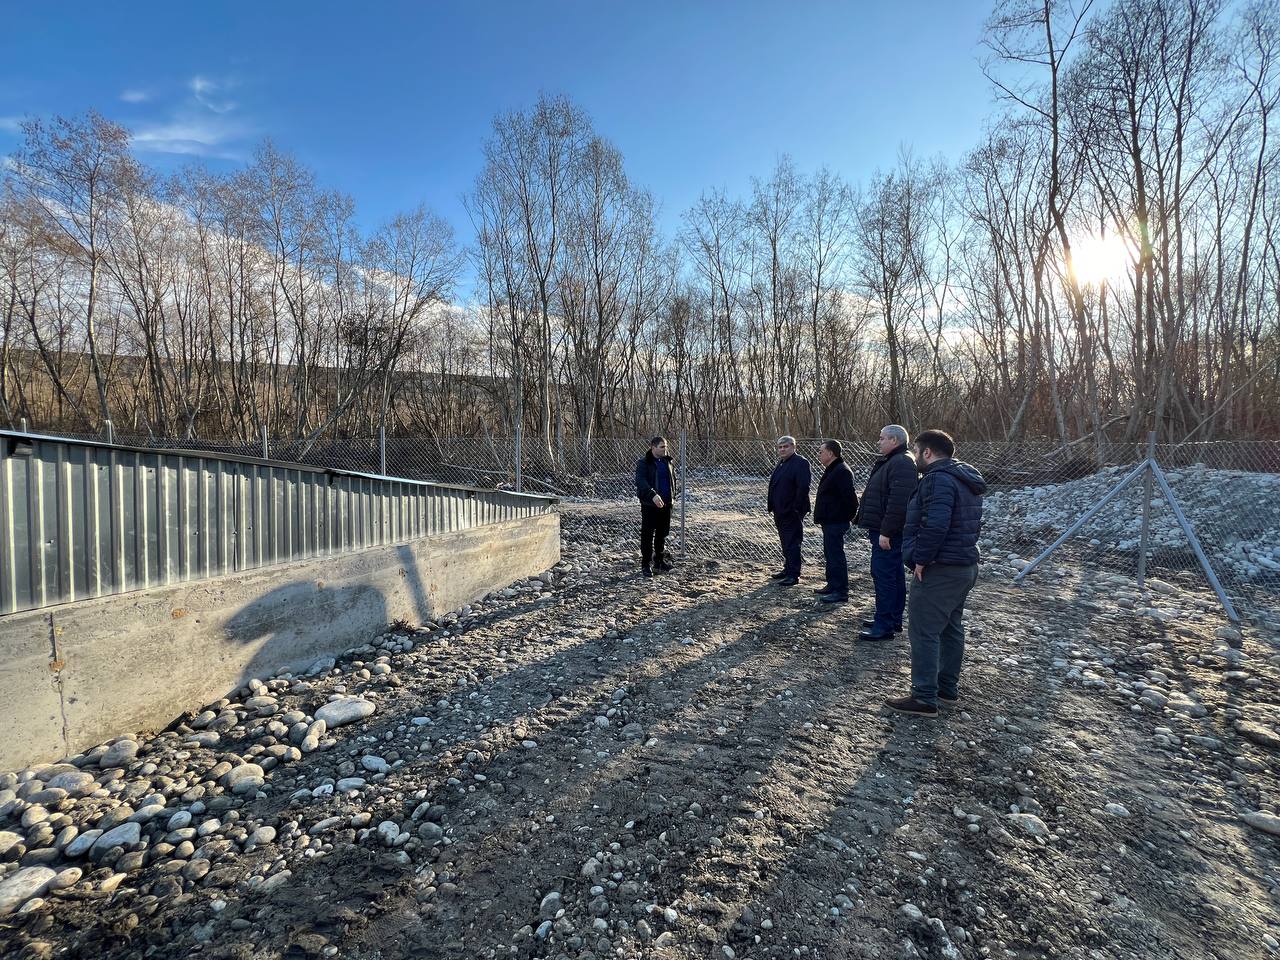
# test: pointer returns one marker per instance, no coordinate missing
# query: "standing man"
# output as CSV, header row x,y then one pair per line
x,y
940,547
834,507
882,514
654,486
788,501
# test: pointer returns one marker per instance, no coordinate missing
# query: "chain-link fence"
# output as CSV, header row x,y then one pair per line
x,y
1228,491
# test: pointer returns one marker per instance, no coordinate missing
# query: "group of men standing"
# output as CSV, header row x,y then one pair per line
x,y
922,512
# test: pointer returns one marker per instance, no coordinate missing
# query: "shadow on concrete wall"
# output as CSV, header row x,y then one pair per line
x,y
417,589
299,623
285,625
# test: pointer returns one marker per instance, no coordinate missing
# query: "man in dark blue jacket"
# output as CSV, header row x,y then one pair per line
x,y
940,547
788,501
882,514
834,506
654,486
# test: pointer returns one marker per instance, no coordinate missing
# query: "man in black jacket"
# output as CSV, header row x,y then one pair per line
x,y
834,507
882,514
940,546
788,501
654,486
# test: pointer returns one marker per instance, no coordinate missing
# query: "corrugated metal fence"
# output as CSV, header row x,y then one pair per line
x,y
82,519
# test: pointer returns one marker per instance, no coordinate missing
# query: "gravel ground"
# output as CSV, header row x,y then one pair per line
x,y
592,765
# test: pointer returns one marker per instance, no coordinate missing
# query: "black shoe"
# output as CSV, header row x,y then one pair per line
x,y
646,572
832,598
823,589
871,625
780,576
875,635
913,706
662,566
789,581
950,699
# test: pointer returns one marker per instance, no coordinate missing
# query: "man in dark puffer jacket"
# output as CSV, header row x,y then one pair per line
x,y
940,547
882,514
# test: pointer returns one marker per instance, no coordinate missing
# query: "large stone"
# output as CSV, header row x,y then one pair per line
x,y
345,710
118,754
246,778
19,887
8,840
1266,822
77,783
81,844
1029,823
122,836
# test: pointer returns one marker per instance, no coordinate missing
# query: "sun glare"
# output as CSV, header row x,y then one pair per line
x,y
1099,260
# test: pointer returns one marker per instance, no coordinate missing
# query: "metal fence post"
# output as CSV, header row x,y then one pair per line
x,y
266,447
684,490
110,431
1093,511
382,450
519,458
1146,510
22,425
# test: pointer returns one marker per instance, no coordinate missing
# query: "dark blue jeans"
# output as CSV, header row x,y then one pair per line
x,y
833,553
790,534
891,582
935,628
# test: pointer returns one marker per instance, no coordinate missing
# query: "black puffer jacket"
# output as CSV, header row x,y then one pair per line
x,y
836,500
889,489
944,518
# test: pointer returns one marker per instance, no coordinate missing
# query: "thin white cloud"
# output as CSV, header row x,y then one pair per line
x,y
11,124
199,127
135,96
190,135
212,93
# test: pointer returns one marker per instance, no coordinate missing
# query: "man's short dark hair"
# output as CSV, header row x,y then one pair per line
x,y
833,446
657,440
937,441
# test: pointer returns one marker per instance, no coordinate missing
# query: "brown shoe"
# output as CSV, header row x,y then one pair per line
x,y
912,706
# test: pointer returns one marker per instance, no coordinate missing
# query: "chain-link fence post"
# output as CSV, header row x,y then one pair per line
x,y
519,460
684,490
22,425
382,451
109,430
266,447
1146,512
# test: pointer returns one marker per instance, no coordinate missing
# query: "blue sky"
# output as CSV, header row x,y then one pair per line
x,y
391,102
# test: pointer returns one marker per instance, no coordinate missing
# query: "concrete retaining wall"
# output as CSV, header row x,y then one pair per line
x,y
75,675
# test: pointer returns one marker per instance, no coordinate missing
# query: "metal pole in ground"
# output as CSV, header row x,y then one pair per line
x,y
110,431
1195,543
1071,530
1146,510
382,451
519,471
684,485
266,447
22,425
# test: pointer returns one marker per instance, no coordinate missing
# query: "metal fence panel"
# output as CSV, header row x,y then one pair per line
x,y
82,519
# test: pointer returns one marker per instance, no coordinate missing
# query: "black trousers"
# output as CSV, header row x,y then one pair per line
x,y
655,524
790,535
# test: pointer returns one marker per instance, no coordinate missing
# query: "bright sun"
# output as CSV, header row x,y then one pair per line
x,y
1098,260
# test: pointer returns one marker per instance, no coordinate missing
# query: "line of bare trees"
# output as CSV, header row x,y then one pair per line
x,y
1105,260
